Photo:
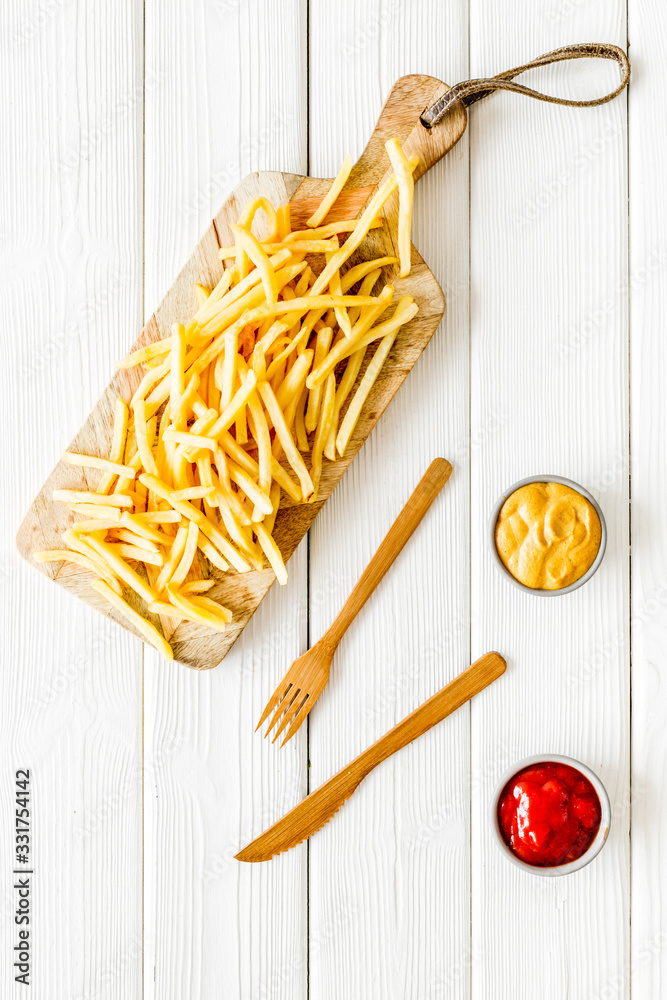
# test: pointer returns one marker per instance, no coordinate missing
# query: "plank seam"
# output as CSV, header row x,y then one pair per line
x,y
308,547
629,332
143,652
469,614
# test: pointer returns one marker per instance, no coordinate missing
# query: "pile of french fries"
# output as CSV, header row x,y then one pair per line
x,y
240,404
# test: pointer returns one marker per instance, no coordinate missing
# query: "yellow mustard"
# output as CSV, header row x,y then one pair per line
x,y
547,535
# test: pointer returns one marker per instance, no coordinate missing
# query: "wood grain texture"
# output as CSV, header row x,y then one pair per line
x,y
387,911
389,874
70,285
213,930
319,806
647,290
44,524
549,348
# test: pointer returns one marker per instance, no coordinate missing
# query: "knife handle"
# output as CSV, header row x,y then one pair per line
x,y
474,679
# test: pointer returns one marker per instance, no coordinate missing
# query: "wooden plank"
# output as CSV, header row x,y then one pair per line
x,y
647,290
388,896
70,126
549,341
229,105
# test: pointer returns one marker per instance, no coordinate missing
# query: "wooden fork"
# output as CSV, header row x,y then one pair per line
x,y
307,677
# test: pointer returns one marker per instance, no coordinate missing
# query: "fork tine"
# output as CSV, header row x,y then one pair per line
x,y
277,696
298,719
291,695
299,700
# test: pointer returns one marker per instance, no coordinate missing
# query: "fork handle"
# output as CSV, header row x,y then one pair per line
x,y
401,530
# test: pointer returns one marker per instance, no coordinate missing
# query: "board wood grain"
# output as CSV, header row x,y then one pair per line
x,y
196,645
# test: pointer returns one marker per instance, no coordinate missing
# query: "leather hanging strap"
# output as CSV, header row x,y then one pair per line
x,y
474,90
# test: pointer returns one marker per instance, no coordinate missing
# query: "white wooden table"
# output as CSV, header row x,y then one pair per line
x,y
124,126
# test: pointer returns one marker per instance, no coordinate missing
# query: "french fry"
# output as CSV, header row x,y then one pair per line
x,y
250,488
322,345
289,393
327,202
159,517
189,552
247,216
405,311
383,193
231,311
260,432
354,409
146,628
117,564
120,421
127,535
212,554
203,294
208,604
93,462
151,379
189,440
342,392
177,372
95,511
86,496
322,433
132,552
406,187
78,559
197,587
81,545
172,562
270,520
96,524
306,246
194,493
218,622
229,414
235,296
283,433
272,553
283,222
258,255
326,231
168,611
144,437
192,514
359,271
300,422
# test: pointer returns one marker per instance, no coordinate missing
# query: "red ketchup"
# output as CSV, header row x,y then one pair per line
x,y
549,814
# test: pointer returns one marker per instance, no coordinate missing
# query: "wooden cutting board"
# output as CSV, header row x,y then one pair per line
x,y
195,645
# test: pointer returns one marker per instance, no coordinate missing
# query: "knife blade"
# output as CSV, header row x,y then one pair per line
x,y
317,808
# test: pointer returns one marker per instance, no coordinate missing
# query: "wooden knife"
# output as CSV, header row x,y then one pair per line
x,y
318,807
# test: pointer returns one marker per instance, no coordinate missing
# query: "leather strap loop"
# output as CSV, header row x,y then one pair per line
x,y
474,90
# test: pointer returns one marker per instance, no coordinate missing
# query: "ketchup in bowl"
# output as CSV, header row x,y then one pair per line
x,y
549,814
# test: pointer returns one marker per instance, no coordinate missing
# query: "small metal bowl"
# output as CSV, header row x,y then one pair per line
x,y
599,839
589,572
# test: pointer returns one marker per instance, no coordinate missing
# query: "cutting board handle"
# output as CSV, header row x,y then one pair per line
x,y
399,117
428,117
